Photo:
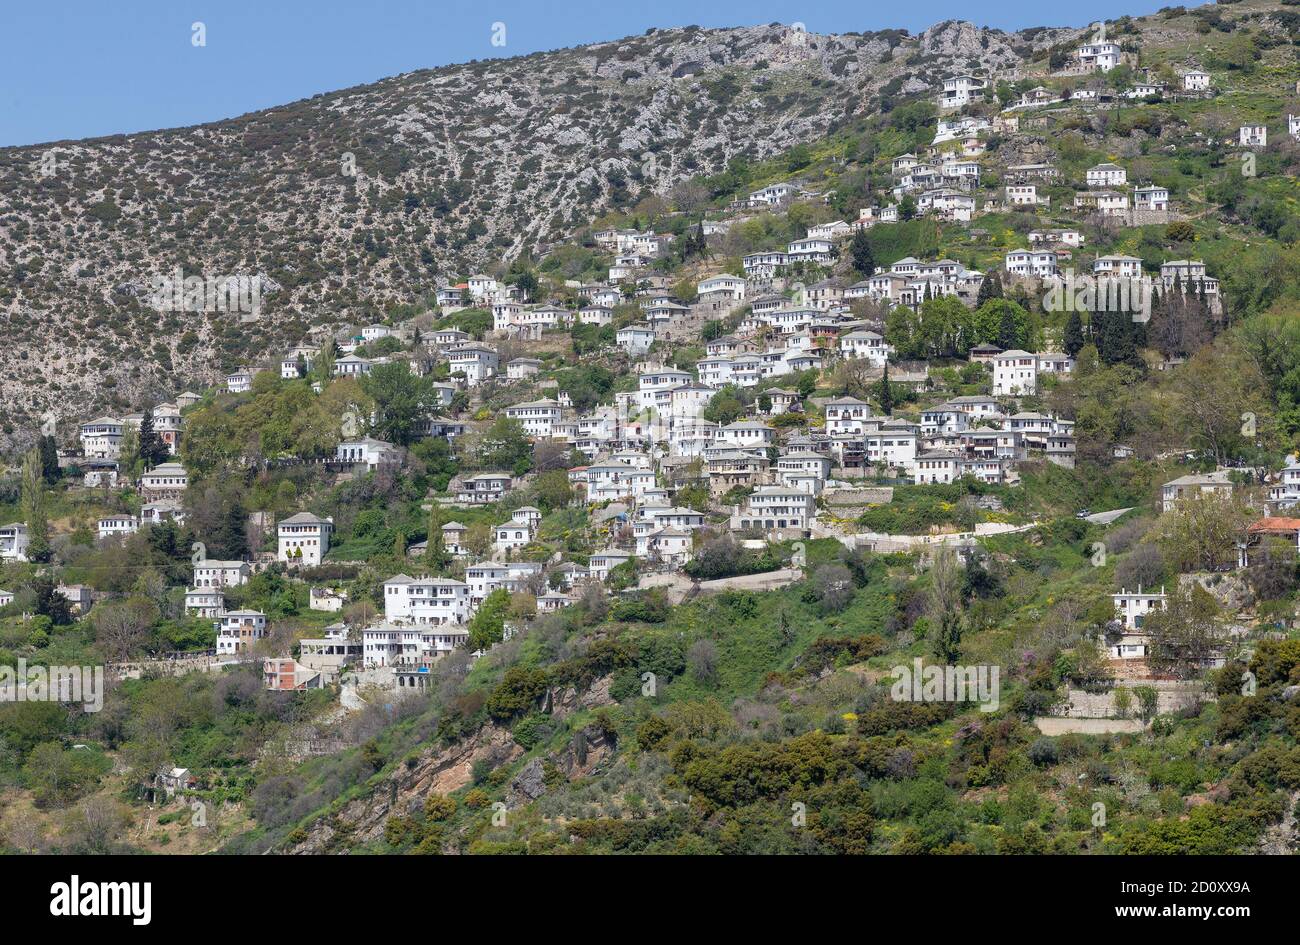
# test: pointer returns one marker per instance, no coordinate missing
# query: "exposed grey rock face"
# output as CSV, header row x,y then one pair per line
x,y
359,199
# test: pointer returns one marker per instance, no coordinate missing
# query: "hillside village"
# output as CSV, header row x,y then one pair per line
x,y
969,334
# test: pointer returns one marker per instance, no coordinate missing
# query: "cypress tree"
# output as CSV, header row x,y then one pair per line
x,y
864,261
1074,340
886,394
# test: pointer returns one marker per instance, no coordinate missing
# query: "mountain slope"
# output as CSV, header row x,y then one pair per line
x,y
455,168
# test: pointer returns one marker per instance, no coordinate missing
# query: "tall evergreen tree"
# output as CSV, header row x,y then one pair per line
x,y
864,261
1074,339
886,393
1009,330
50,460
151,448
990,288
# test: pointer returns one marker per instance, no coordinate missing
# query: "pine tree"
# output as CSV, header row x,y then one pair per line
x,y
33,507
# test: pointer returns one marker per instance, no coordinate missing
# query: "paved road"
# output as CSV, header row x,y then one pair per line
x,y
1105,518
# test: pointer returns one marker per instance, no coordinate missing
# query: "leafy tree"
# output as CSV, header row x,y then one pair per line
x,y
1004,323
725,406
517,693
553,489
1202,530
944,605
402,401
1185,635
505,446
487,626
50,603
59,775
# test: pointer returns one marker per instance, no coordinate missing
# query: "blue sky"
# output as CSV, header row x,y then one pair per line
x,y
83,68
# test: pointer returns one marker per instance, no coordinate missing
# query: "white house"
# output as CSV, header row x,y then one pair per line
x,y
805,470
294,359
1196,81
1101,57
597,315
205,602
773,195
1107,175
771,507
1015,372
476,362
819,251
481,285
602,562
1132,608
723,286
614,480
537,417
1027,262
1176,490
212,573
1022,195
960,90
352,365
239,381
1151,197
1253,136
165,481
14,541
937,466
836,229
846,415
237,630
428,600
484,488
101,438
856,345
635,339
1120,267
113,525
367,452
304,539
764,265
1112,203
